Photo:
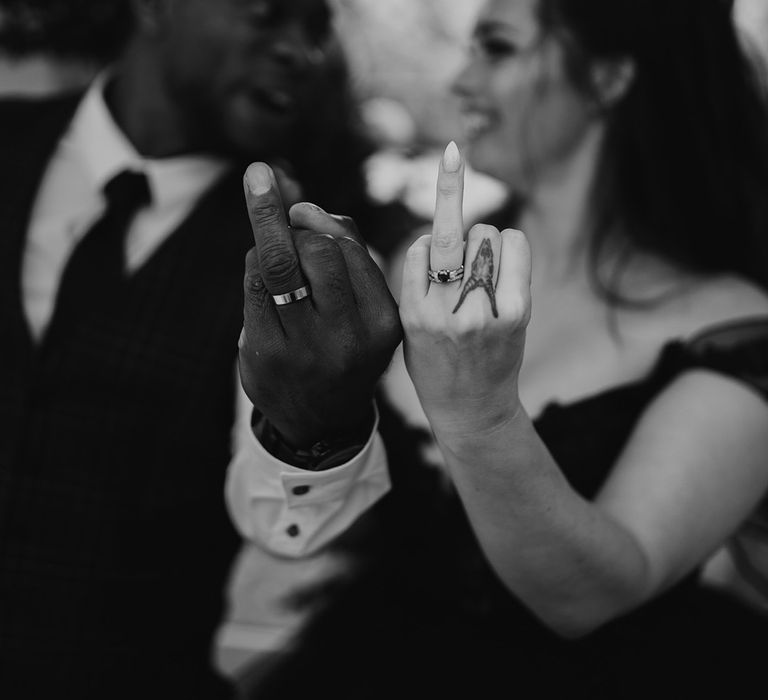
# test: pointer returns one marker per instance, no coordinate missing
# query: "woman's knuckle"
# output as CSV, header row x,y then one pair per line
x,y
517,309
448,190
414,251
484,230
446,238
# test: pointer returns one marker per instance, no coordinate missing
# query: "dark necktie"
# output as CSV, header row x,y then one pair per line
x,y
97,265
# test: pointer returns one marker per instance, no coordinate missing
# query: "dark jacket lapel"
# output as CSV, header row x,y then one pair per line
x,y
29,133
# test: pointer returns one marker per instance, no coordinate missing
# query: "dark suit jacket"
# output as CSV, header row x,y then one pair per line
x,y
114,439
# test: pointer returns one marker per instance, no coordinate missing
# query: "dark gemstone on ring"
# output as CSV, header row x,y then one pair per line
x,y
443,275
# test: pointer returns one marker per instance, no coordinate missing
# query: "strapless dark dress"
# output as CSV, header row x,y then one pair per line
x,y
420,613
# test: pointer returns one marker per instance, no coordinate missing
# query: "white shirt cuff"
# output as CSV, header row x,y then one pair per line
x,y
294,512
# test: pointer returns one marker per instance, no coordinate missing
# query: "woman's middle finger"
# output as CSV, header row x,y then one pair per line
x,y
447,247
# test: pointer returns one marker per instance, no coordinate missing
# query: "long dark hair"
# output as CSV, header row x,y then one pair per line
x,y
685,165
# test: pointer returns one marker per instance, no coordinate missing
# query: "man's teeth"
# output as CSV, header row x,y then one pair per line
x,y
275,98
281,99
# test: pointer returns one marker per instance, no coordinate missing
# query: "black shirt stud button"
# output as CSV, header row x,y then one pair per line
x,y
293,531
300,490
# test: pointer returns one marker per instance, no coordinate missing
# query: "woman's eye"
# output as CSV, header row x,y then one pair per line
x,y
495,49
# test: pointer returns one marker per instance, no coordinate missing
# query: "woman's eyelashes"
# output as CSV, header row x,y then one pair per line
x,y
495,48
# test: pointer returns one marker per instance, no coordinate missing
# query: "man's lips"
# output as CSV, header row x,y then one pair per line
x,y
276,100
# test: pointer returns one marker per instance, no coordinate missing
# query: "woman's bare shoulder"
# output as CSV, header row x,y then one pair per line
x,y
670,302
686,305
721,299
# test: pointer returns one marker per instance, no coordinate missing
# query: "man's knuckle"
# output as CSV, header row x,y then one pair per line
x,y
320,248
388,325
278,262
347,222
266,214
253,285
344,363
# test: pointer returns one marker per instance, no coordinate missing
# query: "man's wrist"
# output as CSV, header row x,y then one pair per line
x,y
323,454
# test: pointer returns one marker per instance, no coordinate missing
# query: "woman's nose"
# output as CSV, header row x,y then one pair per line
x,y
466,82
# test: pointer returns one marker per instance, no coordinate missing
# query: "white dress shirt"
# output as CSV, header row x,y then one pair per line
x,y
259,488
70,199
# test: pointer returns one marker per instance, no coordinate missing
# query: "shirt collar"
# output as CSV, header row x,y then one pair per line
x,y
105,151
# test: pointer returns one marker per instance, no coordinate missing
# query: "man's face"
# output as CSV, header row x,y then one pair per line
x,y
236,70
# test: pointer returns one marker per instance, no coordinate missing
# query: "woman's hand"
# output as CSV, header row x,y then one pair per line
x,y
464,338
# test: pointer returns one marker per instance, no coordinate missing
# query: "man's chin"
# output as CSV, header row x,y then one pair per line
x,y
256,139
245,148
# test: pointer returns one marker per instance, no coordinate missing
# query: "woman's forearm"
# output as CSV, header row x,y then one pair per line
x,y
569,562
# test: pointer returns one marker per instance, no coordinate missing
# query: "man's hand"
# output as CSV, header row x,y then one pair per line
x,y
311,366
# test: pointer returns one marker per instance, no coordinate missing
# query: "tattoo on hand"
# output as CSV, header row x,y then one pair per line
x,y
482,276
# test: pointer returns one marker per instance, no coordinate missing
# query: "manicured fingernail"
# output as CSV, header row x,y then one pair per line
x,y
314,207
259,178
451,158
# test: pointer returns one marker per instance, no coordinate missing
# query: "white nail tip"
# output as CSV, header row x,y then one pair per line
x,y
451,158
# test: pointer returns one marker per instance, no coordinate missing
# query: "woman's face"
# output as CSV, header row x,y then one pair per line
x,y
522,115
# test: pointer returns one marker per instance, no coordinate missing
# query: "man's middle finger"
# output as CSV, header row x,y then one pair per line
x,y
278,260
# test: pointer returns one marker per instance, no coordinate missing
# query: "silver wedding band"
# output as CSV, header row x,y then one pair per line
x,y
291,297
446,276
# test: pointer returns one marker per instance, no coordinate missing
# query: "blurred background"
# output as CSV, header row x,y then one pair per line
x,y
403,55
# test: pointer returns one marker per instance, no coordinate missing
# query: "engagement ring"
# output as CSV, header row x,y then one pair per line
x,y
446,276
